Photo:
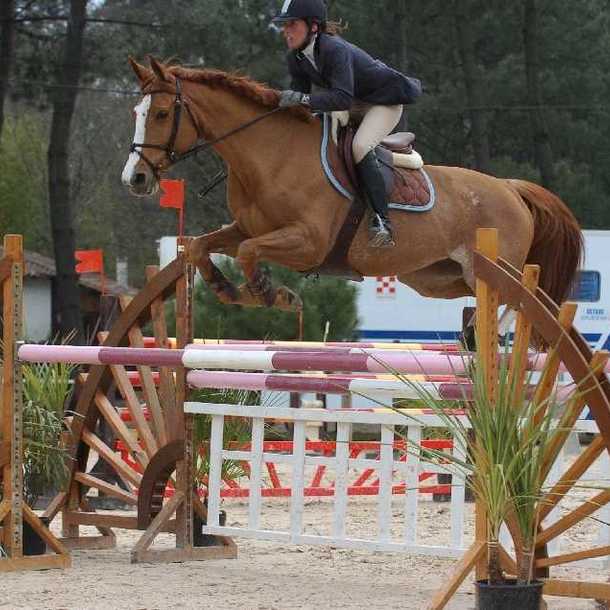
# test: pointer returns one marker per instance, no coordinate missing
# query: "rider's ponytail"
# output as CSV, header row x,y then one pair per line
x,y
333,28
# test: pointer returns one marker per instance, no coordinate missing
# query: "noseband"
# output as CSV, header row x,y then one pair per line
x,y
169,149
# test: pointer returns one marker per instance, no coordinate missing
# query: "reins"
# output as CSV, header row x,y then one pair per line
x,y
172,155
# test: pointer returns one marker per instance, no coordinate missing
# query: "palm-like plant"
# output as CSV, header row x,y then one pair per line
x,y
506,440
46,388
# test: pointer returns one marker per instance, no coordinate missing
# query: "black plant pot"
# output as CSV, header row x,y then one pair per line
x,y
33,544
508,596
201,539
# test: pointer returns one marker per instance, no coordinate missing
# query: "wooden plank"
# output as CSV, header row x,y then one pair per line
x,y
104,520
147,538
149,388
167,387
89,543
6,268
571,476
523,332
120,429
12,397
466,564
106,488
586,509
135,409
38,526
572,413
488,301
5,509
5,454
552,364
577,588
508,563
55,506
211,553
38,562
124,470
544,562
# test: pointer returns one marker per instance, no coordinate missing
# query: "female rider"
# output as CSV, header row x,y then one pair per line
x,y
331,74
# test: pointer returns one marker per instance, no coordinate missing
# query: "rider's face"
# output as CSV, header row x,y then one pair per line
x,y
295,33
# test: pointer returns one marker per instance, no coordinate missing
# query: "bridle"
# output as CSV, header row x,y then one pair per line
x,y
174,157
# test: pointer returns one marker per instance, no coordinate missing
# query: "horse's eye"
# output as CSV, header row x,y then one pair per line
x,y
162,114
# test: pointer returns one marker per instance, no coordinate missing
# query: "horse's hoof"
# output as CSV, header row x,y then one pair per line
x,y
287,300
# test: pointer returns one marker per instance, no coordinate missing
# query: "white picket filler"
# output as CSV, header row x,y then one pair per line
x,y
386,465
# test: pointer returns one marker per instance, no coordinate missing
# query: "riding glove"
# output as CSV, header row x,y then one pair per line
x,y
290,98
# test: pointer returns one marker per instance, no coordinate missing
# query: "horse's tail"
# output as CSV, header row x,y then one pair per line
x,y
558,241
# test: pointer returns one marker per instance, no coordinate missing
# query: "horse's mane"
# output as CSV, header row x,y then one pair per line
x,y
242,85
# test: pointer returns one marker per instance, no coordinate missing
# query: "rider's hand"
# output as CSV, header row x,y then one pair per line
x,y
289,98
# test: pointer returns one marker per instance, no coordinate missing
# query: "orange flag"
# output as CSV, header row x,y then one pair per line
x,y
89,261
173,194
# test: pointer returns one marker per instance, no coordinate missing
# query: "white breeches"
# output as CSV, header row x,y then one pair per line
x,y
378,123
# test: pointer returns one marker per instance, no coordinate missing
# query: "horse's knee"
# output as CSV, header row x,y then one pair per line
x,y
197,251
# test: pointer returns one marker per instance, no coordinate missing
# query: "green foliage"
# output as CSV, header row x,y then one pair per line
x,y
237,433
326,299
46,388
505,443
23,180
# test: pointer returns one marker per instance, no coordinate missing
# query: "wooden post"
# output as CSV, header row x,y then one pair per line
x,y
12,416
487,347
13,510
184,468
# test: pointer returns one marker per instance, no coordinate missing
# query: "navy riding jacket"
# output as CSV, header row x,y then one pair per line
x,y
347,73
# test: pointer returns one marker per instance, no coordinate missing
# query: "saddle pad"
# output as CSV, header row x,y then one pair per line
x,y
412,191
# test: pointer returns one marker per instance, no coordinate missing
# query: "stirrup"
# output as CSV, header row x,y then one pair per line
x,y
380,234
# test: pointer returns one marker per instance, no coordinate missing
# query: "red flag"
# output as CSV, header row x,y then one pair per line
x,y
89,261
173,194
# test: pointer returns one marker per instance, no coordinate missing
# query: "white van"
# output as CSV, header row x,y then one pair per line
x,y
391,312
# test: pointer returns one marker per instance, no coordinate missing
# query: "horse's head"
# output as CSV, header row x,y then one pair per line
x,y
165,128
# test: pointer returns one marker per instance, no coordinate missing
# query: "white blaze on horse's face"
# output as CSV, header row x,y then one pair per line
x,y
141,113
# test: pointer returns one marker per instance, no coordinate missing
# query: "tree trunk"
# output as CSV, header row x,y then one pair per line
x,y
543,153
463,15
7,51
64,101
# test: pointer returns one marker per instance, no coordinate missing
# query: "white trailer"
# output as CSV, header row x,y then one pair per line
x,y
391,312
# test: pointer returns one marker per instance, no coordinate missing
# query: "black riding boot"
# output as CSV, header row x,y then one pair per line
x,y
373,185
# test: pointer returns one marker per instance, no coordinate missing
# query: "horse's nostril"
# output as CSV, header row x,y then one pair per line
x,y
139,179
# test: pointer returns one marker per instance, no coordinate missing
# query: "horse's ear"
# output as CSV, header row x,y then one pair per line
x,y
159,69
142,73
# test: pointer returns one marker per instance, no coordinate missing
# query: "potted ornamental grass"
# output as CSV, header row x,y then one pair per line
x,y
46,389
507,440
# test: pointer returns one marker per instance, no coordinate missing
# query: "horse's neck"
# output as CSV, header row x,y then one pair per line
x,y
250,152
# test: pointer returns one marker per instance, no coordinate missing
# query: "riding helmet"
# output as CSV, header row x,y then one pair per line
x,y
302,9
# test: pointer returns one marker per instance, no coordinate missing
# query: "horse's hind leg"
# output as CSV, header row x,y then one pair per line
x,y
223,241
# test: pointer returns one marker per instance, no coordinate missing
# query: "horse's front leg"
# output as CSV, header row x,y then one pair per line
x,y
224,241
288,247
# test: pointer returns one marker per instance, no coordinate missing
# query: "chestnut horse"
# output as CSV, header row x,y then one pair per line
x,y
285,210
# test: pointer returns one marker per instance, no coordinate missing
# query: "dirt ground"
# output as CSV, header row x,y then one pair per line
x,y
266,575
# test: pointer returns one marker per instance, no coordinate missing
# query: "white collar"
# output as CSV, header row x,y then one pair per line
x,y
308,51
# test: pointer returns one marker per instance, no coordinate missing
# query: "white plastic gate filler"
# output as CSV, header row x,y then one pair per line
x,y
387,467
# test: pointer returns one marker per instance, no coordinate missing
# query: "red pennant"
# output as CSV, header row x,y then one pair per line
x,y
173,194
89,261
